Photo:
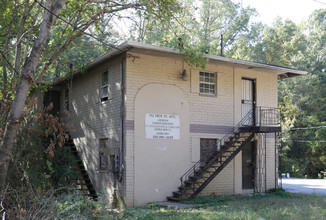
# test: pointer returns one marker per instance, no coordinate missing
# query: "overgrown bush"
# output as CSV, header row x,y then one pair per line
x,y
39,158
50,204
41,169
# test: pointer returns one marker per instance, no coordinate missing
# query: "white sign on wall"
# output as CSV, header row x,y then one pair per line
x,y
162,126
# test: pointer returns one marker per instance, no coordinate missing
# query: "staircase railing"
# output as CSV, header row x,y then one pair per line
x,y
267,116
257,116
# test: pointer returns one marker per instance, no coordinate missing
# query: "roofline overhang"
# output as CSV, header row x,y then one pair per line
x,y
282,72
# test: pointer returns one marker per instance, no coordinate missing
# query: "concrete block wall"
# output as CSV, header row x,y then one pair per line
x,y
93,119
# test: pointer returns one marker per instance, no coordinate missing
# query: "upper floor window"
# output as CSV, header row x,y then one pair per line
x,y
105,86
207,83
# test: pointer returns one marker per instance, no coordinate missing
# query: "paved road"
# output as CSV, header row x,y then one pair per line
x,y
306,186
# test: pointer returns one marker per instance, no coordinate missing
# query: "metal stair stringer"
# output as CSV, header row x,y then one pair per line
x,y
202,173
83,181
221,167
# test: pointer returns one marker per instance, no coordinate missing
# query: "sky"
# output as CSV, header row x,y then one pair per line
x,y
295,10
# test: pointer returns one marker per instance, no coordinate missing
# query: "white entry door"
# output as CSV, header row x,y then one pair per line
x,y
248,100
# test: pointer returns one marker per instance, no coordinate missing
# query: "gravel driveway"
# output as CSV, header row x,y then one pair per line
x,y
306,186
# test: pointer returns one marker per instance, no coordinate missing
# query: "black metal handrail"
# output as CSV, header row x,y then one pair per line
x,y
267,116
258,116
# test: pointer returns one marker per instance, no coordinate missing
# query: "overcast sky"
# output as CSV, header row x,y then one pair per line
x,y
296,10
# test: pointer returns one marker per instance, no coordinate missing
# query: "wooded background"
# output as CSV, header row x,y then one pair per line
x,y
43,39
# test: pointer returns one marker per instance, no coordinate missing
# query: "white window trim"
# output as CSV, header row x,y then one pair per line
x,y
104,86
208,83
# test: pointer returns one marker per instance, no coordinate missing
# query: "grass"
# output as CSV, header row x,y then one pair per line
x,y
276,205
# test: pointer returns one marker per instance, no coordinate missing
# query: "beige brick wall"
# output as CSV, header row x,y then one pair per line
x,y
144,67
93,119
271,171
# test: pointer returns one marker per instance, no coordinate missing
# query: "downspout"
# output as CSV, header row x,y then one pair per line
x,y
276,160
265,179
122,119
118,199
234,166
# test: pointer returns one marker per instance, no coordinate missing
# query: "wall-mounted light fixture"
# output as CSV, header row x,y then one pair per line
x,y
184,75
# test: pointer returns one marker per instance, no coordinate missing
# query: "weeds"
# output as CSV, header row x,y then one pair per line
x,y
73,205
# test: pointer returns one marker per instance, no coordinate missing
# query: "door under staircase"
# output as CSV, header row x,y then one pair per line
x,y
203,172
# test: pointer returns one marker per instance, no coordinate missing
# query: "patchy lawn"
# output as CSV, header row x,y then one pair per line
x,y
279,205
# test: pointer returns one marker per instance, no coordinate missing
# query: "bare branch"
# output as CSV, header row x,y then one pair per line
x,y
27,10
82,28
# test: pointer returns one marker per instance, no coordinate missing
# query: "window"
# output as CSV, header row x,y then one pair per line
x,y
207,83
105,86
66,105
103,155
108,156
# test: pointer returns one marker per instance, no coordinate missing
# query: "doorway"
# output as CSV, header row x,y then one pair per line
x,y
208,148
248,100
248,165
53,97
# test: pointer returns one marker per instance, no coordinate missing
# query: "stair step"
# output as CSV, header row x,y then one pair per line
x,y
207,166
182,188
203,172
173,199
195,177
190,182
179,194
197,181
83,182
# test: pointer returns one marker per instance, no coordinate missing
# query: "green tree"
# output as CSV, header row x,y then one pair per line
x,y
30,31
221,17
307,143
281,44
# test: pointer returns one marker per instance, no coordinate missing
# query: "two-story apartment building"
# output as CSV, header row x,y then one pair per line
x,y
144,118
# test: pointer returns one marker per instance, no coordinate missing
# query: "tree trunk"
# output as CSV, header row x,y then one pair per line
x,y
23,87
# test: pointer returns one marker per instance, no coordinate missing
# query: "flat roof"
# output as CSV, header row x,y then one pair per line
x,y
283,72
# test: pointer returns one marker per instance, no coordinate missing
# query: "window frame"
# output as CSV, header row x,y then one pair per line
x,y
209,83
109,154
102,156
104,85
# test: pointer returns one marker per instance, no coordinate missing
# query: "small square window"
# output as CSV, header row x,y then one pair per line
x,y
207,83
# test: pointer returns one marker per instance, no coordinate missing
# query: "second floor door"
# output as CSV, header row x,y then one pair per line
x,y
248,100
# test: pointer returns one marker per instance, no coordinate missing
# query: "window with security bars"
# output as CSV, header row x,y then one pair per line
x,y
208,148
207,83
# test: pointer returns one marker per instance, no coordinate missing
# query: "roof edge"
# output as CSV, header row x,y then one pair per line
x,y
283,72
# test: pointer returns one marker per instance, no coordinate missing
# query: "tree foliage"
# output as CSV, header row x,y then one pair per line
x,y
48,38
37,33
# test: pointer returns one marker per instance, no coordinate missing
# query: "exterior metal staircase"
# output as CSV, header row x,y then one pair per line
x,y
82,181
203,172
